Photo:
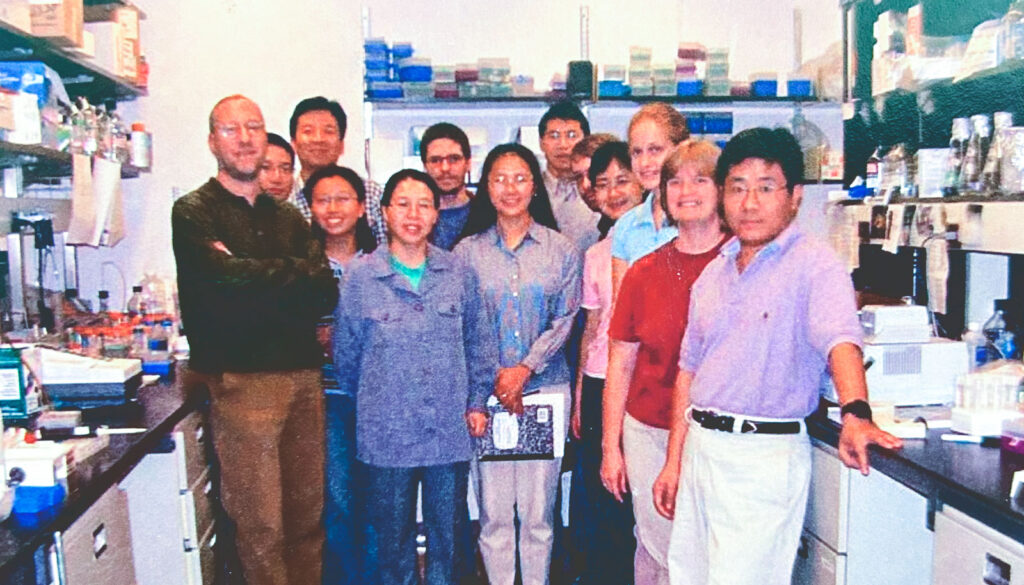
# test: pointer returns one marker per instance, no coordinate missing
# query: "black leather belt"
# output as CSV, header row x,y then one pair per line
x,y
721,422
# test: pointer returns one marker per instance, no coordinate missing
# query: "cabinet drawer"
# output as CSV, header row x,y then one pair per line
x,y
828,501
190,437
817,564
97,547
969,553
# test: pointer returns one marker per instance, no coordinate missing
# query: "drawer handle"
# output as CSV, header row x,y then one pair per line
x,y
99,541
208,488
200,434
997,571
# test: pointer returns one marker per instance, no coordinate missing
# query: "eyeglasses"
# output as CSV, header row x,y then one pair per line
x,y
451,159
556,135
619,182
233,130
761,190
516,180
329,200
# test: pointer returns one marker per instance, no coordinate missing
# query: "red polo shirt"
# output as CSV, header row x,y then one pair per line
x,y
651,310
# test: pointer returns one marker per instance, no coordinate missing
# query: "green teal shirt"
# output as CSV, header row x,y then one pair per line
x,y
413,275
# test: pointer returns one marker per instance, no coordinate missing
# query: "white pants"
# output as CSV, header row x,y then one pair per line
x,y
527,488
644,450
740,508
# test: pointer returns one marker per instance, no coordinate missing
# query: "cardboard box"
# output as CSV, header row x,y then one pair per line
x,y
114,53
17,13
59,21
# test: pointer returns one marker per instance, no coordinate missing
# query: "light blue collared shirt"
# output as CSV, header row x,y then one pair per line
x,y
532,294
635,236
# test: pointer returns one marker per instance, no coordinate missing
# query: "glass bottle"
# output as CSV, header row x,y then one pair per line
x,y
958,140
992,179
977,148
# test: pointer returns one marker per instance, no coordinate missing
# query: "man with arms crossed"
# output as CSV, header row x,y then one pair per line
x,y
252,286
766,319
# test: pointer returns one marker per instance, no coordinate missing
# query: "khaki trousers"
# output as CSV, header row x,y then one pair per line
x,y
268,430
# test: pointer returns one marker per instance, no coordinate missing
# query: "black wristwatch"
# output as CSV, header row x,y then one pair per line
x,y
858,408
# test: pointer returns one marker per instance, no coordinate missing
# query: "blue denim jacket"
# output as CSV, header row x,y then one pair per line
x,y
416,360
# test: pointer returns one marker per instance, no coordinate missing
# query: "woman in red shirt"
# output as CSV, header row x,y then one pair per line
x,y
645,333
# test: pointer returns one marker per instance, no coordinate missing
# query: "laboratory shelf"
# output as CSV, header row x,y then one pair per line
x,y
81,76
40,163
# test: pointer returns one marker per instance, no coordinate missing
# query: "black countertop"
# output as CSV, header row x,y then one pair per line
x,y
973,479
158,408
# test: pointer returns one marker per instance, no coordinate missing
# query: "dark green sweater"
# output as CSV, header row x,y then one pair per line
x,y
256,308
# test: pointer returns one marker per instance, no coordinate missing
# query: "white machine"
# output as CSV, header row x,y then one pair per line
x,y
82,382
903,363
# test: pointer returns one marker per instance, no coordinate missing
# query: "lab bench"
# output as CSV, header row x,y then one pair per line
x,y
932,513
109,526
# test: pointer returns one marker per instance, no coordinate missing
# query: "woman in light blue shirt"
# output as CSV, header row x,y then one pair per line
x,y
530,283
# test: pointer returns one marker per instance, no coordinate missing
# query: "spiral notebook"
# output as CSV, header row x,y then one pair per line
x,y
539,433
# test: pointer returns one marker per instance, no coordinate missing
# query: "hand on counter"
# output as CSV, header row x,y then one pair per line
x,y
855,437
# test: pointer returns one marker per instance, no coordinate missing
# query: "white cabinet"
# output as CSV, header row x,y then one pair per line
x,y
969,553
97,548
862,530
170,498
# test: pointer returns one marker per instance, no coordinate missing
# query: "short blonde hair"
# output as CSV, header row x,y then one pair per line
x,y
699,155
666,117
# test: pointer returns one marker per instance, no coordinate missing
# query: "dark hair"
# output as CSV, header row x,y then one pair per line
x,y
404,174
365,240
444,130
605,154
483,215
564,110
317,104
279,141
771,145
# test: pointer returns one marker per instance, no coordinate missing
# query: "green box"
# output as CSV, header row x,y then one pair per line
x,y
19,391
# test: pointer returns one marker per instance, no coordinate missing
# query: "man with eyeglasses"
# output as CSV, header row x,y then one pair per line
x,y
317,129
444,150
252,285
561,127
768,317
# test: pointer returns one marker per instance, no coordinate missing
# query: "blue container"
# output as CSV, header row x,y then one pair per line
x,y
36,505
718,123
695,122
385,90
32,77
416,73
690,87
401,51
799,88
764,88
612,88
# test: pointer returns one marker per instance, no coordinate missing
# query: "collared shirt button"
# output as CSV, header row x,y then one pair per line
x,y
418,307
515,293
516,334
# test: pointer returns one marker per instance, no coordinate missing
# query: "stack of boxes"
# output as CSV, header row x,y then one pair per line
x,y
379,79
716,79
614,82
664,76
691,62
641,76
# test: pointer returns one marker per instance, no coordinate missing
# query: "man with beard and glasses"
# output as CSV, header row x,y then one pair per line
x,y
444,150
252,284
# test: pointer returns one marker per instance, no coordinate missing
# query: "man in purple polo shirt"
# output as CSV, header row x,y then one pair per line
x,y
767,318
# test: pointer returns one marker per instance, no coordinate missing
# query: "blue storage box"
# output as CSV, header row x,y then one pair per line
x,y
385,90
33,77
690,87
612,88
799,88
718,123
415,70
162,368
401,51
36,505
376,74
694,122
764,88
